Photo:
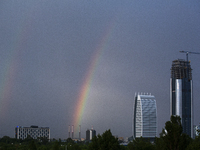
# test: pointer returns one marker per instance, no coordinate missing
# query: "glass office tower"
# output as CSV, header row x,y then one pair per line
x,y
181,94
144,117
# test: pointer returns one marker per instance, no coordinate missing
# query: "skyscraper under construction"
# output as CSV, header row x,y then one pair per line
x,y
181,101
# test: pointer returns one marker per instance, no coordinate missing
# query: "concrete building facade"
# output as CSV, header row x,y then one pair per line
x,y
33,131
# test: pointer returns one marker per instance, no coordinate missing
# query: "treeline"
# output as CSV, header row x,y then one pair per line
x,y
171,138
41,143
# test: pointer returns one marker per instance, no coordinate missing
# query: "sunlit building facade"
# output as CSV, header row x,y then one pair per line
x,y
144,117
90,134
181,94
32,131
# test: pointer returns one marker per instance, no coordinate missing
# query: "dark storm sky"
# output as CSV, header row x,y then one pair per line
x,y
47,48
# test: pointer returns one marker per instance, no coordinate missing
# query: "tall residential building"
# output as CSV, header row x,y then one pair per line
x,y
33,131
90,134
181,94
144,117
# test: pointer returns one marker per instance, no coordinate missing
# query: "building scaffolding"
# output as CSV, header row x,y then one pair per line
x,y
179,69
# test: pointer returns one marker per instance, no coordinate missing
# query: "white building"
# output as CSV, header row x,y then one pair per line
x,y
33,131
196,130
144,117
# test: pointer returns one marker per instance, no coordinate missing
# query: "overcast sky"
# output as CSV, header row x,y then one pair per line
x,y
47,48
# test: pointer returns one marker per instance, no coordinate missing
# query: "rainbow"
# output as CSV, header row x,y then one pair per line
x,y
88,78
6,84
7,81
10,67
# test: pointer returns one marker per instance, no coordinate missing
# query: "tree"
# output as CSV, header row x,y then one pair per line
x,y
32,145
69,140
195,144
28,139
56,145
172,138
43,140
105,142
6,139
160,144
141,144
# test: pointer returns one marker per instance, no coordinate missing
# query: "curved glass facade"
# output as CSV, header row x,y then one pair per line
x,y
145,117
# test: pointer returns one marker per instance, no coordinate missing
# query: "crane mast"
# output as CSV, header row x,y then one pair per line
x,y
188,89
187,52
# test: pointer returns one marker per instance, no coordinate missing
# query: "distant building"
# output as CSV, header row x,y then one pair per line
x,y
33,131
121,139
90,134
181,94
144,117
196,130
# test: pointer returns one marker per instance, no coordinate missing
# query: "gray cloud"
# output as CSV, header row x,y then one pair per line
x,y
47,46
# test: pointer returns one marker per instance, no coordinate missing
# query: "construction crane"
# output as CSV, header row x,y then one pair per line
x,y
187,52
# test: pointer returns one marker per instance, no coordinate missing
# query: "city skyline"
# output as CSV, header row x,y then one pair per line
x,y
80,63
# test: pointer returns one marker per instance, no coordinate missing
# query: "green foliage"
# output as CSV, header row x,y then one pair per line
x,y
69,140
122,147
32,145
159,144
8,140
43,140
172,138
195,144
141,144
74,147
105,142
185,140
56,145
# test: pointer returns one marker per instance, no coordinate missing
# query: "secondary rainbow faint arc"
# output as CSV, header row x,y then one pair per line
x,y
86,85
11,64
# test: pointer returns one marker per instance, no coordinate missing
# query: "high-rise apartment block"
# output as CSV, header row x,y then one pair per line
x,y
144,117
33,131
90,134
181,101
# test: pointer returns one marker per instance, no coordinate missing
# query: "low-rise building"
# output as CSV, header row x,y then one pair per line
x,y
33,131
